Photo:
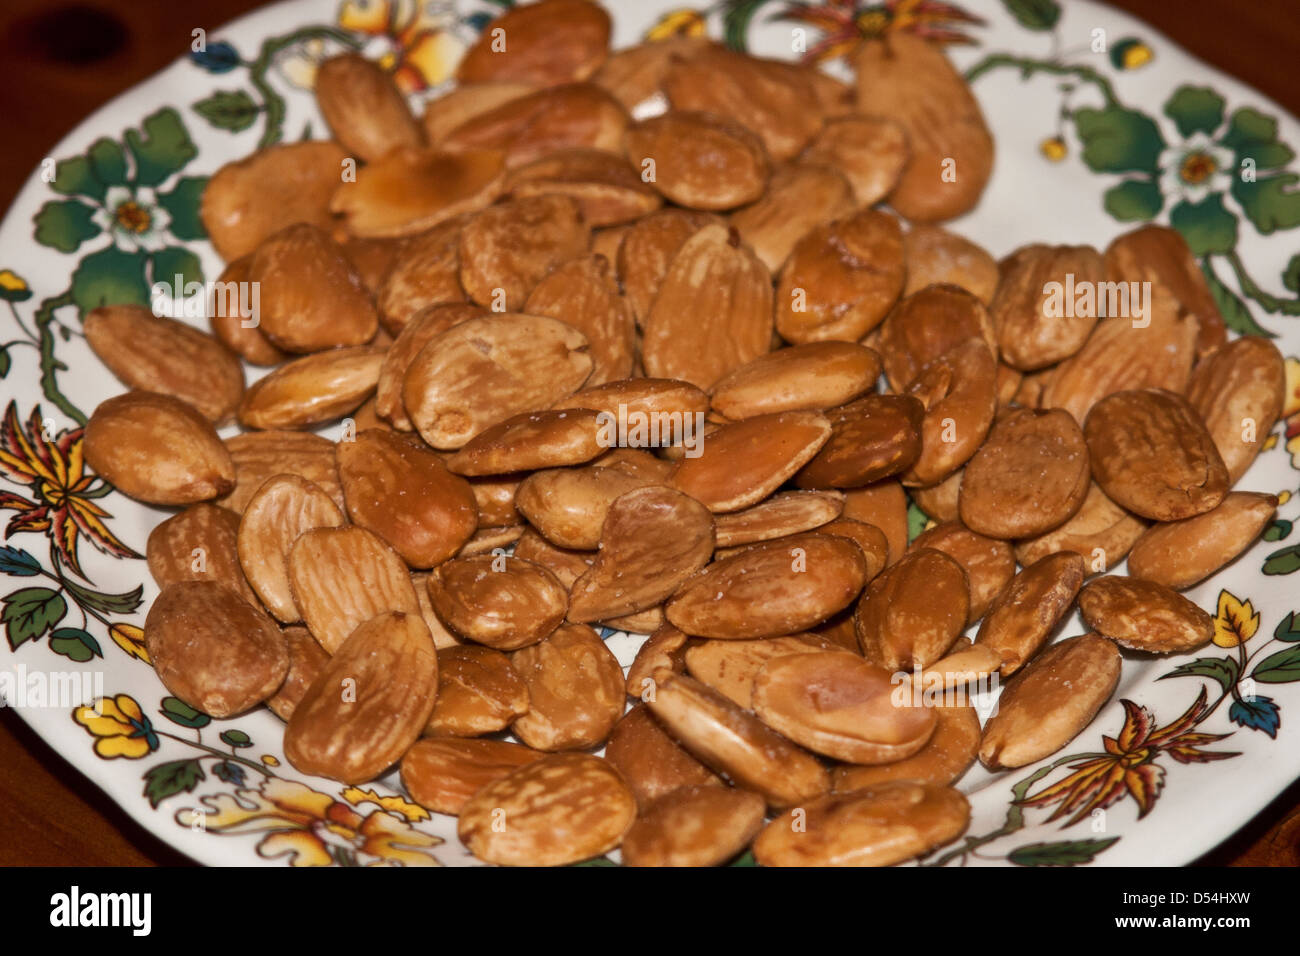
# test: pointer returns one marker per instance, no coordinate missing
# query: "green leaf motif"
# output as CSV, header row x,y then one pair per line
x,y
161,147
1195,109
1116,140
64,224
1134,200
1248,129
168,779
1288,629
76,177
745,859
174,261
108,162
106,603
179,712
110,277
1207,226
916,520
182,204
735,23
597,861
236,738
1280,668
1270,204
1291,274
1235,312
76,644
1278,530
1225,670
30,612
6,362
233,111
1034,14
1283,561
1064,853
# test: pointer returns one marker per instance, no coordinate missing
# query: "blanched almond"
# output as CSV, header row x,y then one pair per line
x,y
442,114
584,294
871,539
1024,614
665,647
1101,531
1238,390
479,692
730,667
989,563
198,545
363,108
230,307
654,398
546,439
927,325
307,661
947,755
872,438
507,249
552,41
652,763
500,601
1144,615
699,160
575,690
694,826
312,389
1178,554
936,256
1035,328
426,272
605,186
884,505
443,773
912,613
959,391
870,151
648,250
816,376
569,505
783,514
798,197
261,455
414,336
939,501
634,74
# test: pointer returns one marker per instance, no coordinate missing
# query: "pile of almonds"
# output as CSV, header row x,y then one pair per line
x,y
477,291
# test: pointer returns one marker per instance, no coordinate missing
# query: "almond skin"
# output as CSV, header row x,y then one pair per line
x,y
575,690
549,42
699,160
122,444
199,544
312,389
1179,554
503,602
1144,615
363,109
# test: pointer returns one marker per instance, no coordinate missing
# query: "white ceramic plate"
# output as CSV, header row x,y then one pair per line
x,y
1089,140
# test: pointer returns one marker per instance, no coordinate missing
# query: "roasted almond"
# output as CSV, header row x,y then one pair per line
x,y
1027,610
584,294
575,690
815,376
694,826
507,249
648,250
230,313
1037,327
363,108
414,336
497,600
699,160
661,399
799,197
928,324
479,692
312,389
959,392
989,563
198,544
665,647
605,186
947,755
1144,615
569,505
939,501
443,773
730,667
546,439
871,540
652,763
936,256
910,614
442,114
426,272
872,438
791,512
1101,531
1238,390
1178,554
884,505
636,73
552,41
307,661
262,455
870,151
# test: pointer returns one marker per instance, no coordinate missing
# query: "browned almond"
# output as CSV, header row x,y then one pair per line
x,y
605,186
817,376
870,151
443,773
1238,390
912,613
507,249
965,662
635,462
879,826
1151,453
373,258
425,273
652,540
262,455
307,661
778,587
928,324
1101,531
798,198
213,649
1144,615
661,399
947,755
312,389
497,600
652,763
648,250
730,667
487,540
342,577
573,116
198,545
607,241
569,506
734,742
442,114
1026,612
575,690
1050,702
158,354
414,336
567,564
872,540
936,256
554,811
584,294
411,190
1037,326
959,392
665,647
872,438
1030,475
246,201
157,449
369,705
1178,554
841,279
989,563
230,313
486,369
546,439
699,160
479,692
363,108
495,498
552,41
311,297
284,507
743,463
400,490
634,74
694,826
884,505
939,501
789,513
911,81
441,636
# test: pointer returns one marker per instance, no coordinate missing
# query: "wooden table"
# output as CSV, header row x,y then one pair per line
x,y
60,61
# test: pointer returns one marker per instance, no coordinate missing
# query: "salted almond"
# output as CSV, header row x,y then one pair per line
x,y
573,116
841,279
648,250
872,438
699,160
636,73
652,540
584,294
547,439
964,663
441,636
694,826
157,449
656,399
1029,476
783,514
389,665
246,201
939,501
936,256
911,81
569,506
575,690
442,114
605,186
1101,531
443,773
778,587
307,661
230,313
730,667
486,369
959,392
1144,615
479,692
652,763
798,198
1050,702
158,354
567,564
665,647
552,41
495,498
426,272
870,151
880,826
1152,454
928,324
311,297
607,241
363,108
910,615
423,326
870,539
947,755
507,249
1238,390
884,505
1039,320
734,742
312,389
815,376
372,258
1027,610
198,544
262,455
500,601
284,507
213,649
342,577
989,563
1179,554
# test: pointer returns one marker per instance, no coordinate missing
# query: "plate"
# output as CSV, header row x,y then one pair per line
x,y
1100,123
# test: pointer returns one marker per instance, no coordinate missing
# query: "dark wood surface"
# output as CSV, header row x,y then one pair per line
x,y
60,61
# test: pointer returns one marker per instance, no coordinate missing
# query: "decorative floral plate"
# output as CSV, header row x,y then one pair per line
x,y
1100,123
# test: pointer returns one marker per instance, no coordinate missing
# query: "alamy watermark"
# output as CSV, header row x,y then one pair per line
x,y
179,299
641,429
1098,300
25,689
